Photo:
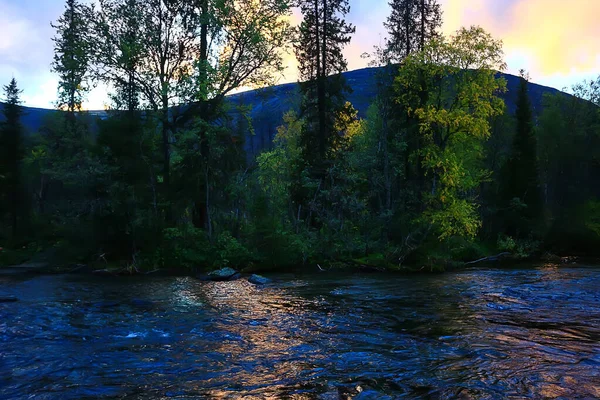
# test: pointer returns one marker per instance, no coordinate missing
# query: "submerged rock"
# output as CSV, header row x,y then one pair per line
x,y
8,299
223,274
258,279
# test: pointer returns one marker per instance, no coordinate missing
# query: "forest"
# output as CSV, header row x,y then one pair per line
x,y
440,172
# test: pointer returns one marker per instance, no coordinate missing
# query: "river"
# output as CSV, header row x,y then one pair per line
x,y
527,332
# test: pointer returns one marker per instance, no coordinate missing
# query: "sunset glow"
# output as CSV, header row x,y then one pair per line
x,y
555,41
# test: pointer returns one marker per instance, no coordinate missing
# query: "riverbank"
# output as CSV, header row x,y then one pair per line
x,y
365,265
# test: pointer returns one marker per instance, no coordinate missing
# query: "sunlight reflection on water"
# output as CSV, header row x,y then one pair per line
x,y
531,332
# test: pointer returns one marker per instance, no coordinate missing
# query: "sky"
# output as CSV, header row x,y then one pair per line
x,y
556,41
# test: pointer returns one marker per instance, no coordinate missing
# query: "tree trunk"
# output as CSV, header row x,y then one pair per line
x,y
201,205
423,17
166,157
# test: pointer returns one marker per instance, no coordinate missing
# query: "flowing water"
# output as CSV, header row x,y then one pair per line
x,y
484,333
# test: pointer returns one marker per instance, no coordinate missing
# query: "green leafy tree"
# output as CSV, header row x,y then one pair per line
x,y
12,193
188,57
459,77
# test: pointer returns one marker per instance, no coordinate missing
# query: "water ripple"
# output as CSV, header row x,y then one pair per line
x,y
520,333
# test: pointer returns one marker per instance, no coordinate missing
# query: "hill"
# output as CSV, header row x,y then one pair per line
x,y
268,105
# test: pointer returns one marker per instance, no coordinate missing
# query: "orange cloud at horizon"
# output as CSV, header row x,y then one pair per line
x,y
552,39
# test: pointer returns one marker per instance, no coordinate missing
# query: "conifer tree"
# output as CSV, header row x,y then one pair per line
x,y
521,181
411,25
323,35
11,154
72,55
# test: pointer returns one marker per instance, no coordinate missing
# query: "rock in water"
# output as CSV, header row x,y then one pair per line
x,y
223,274
8,299
235,277
258,279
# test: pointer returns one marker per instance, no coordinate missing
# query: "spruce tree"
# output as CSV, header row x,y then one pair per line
x,y
11,155
72,56
323,35
411,24
521,189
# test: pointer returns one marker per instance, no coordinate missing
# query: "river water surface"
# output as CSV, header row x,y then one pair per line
x,y
484,333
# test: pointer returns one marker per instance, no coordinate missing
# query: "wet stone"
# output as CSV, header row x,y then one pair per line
x,y
223,274
258,279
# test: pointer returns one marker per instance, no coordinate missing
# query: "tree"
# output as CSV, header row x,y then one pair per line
x,y
323,35
72,56
119,52
521,189
411,24
11,155
568,139
189,56
459,76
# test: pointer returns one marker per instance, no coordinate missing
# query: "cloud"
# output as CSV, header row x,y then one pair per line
x,y
26,48
556,41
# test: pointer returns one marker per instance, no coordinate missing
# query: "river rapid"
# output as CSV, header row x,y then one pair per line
x,y
528,332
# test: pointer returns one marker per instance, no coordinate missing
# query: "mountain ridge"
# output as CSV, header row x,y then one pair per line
x,y
268,105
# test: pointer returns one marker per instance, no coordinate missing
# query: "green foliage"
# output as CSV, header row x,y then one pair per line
x,y
231,253
13,198
518,247
592,211
520,184
72,53
416,185
183,248
451,89
323,34
411,24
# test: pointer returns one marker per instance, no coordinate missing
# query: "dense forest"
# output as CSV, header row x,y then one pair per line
x,y
439,171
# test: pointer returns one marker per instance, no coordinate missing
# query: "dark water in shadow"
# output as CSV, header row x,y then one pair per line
x,y
520,333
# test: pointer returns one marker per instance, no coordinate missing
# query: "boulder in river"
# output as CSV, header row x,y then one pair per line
x,y
8,299
223,274
258,279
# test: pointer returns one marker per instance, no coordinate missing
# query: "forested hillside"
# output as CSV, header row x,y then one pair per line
x,y
431,158
268,105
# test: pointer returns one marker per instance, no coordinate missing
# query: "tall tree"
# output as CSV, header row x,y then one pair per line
x,y
241,44
459,76
190,55
72,55
119,42
11,154
323,35
521,181
411,24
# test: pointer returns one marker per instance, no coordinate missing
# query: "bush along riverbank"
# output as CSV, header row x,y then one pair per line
x,y
192,257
